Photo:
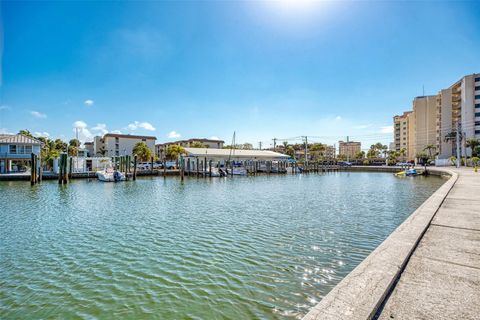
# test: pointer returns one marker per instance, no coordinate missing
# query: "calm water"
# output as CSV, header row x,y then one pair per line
x,y
242,248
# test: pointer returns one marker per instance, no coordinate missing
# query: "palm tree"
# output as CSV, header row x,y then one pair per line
x,y
174,151
26,132
142,151
198,144
429,147
290,151
473,143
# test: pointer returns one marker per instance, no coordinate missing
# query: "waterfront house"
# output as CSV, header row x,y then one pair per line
x,y
16,150
112,144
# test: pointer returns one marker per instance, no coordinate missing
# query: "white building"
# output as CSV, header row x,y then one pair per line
x,y
458,107
112,144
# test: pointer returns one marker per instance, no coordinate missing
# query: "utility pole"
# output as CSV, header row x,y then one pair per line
x,y
458,144
306,150
348,149
274,144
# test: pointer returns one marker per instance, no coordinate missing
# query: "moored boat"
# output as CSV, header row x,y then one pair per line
x,y
110,175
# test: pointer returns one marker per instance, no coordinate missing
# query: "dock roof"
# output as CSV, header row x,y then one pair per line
x,y
235,153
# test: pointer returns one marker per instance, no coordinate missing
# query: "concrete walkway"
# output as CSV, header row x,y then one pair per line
x,y
442,277
428,268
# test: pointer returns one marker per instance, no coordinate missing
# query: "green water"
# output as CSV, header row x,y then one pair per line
x,y
265,247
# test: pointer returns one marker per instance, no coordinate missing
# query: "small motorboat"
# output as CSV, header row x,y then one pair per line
x,y
407,173
215,172
237,171
110,175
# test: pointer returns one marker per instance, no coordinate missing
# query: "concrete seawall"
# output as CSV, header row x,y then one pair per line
x,y
365,293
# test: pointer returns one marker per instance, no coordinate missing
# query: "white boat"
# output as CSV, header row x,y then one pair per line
x,y
215,172
238,171
110,175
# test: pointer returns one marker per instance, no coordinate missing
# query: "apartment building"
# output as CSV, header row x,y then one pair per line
x,y
330,152
435,117
349,148
424,127
209,143
112,144
404,133
458,107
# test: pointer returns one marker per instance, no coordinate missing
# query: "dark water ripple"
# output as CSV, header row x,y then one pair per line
x,y
246,248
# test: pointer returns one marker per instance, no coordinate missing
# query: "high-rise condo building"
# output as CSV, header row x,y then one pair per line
x,y
349,148
425,118
403,132
458,108
436,117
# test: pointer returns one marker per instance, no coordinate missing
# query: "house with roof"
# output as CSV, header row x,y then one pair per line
x,y
16,151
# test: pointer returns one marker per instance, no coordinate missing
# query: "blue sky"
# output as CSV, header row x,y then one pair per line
x,y
204,69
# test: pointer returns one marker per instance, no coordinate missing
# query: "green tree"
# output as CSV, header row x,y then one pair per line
x,y
247,146
317,150
26,133
142,151
61,145
429,148
475,161
473,143
198,144
73,146
423,158
359,155
290,151
174,151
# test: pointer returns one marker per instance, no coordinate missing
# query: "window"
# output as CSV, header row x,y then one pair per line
x,y
477,96
28,149
477,123
12,149
477,114
477,79
477,105
477,87
477,131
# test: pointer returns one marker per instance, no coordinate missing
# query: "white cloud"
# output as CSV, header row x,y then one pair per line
x,y
140,125
4,131
174,134
117,131
37,114
362,126
338,118
214,138
4,107
79,124
42,134
89,102
84,134
386,129
100,128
